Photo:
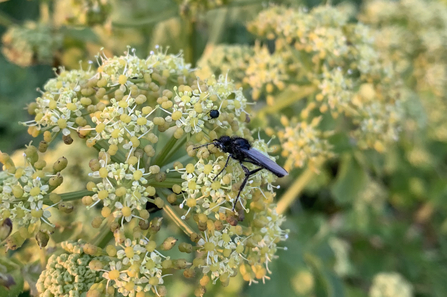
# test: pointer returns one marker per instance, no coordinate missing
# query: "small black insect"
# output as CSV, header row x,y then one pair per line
x,y
241,150
214,113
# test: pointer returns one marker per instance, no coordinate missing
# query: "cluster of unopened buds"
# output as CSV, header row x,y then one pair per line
x,y
146,118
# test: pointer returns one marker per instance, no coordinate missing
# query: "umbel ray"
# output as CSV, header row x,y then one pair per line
x,y
241,150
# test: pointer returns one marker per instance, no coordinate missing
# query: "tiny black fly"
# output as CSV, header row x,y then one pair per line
x,y
241,150
214,113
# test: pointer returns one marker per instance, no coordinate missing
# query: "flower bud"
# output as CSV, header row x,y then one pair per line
x,y
43,146
40,164
194,237
189,273
31,154
67,139
94,164
14,241
168,243
60,164
172,198
42,239
55,181
160,177
156,224
185,247
5,228
159,202
66,207
119,236
144,224
179,263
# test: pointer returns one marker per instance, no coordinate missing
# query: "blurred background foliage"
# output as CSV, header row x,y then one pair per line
x,y
366,212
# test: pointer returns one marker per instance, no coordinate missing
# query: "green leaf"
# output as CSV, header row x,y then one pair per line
x,y
351,179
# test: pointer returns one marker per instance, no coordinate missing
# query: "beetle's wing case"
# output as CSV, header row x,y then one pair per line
x,y
264,161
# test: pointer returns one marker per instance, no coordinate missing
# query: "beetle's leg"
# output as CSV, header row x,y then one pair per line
x,y
226,163
248,173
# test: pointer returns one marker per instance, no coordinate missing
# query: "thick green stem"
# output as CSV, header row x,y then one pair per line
x,y
70,196
167,183
287,98
104,237
172,214
162,156
190,52
293,192
170,165
178,145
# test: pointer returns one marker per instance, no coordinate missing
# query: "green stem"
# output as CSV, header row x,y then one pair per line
x,y
168,183
70,196
148,20
104,237
178,145
161,157
169,210
287,98
182,159
113,89
293,192
190,52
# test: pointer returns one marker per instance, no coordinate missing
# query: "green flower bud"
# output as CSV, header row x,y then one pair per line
x,y
60,164
40,164
56,181
168,243
42,239
144,224
14,241
32,108
66,207
31,154
160,177
166,264
180,263
94,164
5,228
159,202
194,237
43,146
156,224
185,247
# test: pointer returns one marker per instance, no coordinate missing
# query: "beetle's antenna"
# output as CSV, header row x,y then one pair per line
x,y
206,144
